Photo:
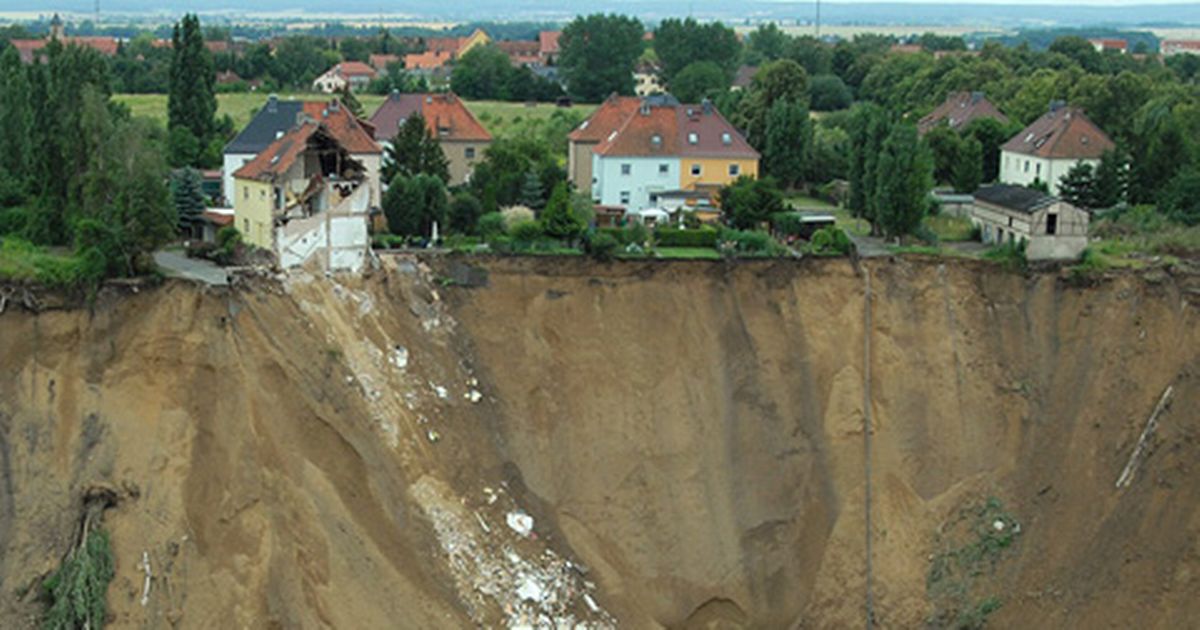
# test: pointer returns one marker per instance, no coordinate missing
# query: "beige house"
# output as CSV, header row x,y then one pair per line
x,y
460,135
353,74
1050,228
305,195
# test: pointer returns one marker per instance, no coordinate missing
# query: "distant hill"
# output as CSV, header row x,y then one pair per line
x,y
1012,15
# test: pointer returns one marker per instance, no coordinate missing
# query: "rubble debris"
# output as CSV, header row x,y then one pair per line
x,y
520,522
433,436
399,357
474,396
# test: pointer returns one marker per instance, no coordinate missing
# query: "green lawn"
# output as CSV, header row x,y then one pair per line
x,y
802,202
496,116
950,228
21,261
706,253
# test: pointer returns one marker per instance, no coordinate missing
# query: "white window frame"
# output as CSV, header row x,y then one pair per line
x,y
697,170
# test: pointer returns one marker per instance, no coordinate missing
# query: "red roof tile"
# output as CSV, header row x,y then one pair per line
x,y
676,130
354,69
446,117
548,42
342,125
381,62
27,48
715,136
426,60
1061,133
958,110
606,119
277,158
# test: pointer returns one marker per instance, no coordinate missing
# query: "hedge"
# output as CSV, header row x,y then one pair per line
x,y
674,237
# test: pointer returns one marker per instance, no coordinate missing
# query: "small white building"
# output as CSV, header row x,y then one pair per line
x,y
646,80
1051,228
355,74
1051,146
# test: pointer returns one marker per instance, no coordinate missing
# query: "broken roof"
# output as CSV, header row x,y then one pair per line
x,y
1061,133
277,158
277,117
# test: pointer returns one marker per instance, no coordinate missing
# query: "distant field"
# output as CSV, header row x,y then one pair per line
x,y
495,116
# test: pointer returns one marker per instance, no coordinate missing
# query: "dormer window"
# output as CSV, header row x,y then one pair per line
x,y
693,138
656,140
726,139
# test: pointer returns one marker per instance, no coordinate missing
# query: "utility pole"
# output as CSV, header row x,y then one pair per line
x,y
818,19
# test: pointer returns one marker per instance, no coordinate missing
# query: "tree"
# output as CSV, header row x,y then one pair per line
x,y
788,142
747,203
991,134
465,212
680,43
945,146
775,81
1180,199
188,197
869,126
16,121
1112,179
532,194
905,177
558,219
347,97
414,151
598,53
1078,186
499,179
481,73
829,93
699,80
191,99
414,203
767,43
968,170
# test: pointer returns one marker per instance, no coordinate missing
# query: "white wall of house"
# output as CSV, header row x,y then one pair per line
x,y
329,83
334,242
373,163
232,162
1022,170
629,181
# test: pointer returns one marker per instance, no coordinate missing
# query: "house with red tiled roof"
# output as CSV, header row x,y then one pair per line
x,y
305,196
667,149
427,62
548,47
521,52
462,138
277,117
355,74
958,110
1101,45
29,49
583,139
1049,147
1171,47
381,62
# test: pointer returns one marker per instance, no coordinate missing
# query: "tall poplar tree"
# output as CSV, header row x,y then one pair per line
x,y
192,100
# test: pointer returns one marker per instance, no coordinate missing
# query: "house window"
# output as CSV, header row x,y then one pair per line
x,y
1051,224
624,197
1038,169
1000,235
735,170
626,169
469,152
246,225
1026,166
663,169
245,192
278,198
695,170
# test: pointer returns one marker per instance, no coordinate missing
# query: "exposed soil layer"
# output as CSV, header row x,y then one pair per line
x,y
688,438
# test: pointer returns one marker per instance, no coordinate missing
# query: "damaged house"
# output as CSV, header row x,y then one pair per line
x,y
305,196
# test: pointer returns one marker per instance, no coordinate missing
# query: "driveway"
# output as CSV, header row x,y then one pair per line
x,y
176,265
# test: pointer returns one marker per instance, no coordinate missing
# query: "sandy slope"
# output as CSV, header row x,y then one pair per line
x,y
687,436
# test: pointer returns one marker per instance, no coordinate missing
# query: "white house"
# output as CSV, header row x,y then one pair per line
x,y
1047,149
355,74
1051,229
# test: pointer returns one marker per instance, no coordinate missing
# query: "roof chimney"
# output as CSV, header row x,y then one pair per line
x,y
707,105
272,104
334,105
395,95
1057,105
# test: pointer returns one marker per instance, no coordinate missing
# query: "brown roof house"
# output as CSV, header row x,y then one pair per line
x,y
305,198
605,120
548,47
460,135
355,74
958,110
1049,147
1050,228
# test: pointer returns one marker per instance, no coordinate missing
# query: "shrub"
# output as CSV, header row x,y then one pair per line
x,y
830,241
465,212
229,245
387,241
750,242
674,237
491,224
525,231
1011,256
601,245
13,221
636,234
516,214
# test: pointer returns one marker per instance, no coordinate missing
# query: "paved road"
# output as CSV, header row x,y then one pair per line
x,y
177,265
869,246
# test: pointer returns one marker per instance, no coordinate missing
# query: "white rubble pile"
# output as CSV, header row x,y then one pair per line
x,y
540,593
